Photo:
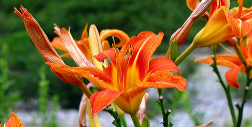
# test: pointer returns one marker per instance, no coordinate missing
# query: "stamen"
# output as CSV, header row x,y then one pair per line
x,y
227,49
128,52
240,2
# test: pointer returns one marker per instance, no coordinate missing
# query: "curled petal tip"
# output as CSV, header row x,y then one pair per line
x,y
24,13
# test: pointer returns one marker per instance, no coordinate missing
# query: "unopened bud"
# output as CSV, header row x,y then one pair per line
x,y
173,50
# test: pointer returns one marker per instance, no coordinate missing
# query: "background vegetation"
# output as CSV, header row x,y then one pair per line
x,y
131,16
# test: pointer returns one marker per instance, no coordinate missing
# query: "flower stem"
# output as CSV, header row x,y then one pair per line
x,y
240,108
226,89
239,53
185,54
135,120
164,113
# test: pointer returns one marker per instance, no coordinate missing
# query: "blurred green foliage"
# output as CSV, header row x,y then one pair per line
x,y
129,15
8,93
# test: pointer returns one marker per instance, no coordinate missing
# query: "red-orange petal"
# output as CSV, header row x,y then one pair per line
x,y
224,60
232,77
14,121
99,100
164,79
143,46
110,54
97,76
163,63
218,3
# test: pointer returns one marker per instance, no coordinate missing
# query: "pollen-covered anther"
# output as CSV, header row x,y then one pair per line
x,y
128,53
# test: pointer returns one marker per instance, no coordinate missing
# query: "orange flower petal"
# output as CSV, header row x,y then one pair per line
x,y
217,29
14,121
72,48
143,46
97,76
164,79
232,77
99,100
57,43
110,54
38,37
118,33
45,48
224,60
135,96
192,4
239,27
163,63
218,3
67,55
84,49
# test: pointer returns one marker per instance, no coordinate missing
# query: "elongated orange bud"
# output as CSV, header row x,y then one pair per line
x,y
47,51
181,34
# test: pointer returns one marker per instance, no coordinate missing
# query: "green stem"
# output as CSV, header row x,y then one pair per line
x,y
135,120
161,102
185,54
123,121
226,89
240,108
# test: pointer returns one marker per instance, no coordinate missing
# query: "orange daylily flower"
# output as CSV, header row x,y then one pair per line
x,y
224,23
14,121
233,62
129,75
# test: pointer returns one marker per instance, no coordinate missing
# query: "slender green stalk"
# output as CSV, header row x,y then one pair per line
x,y
135,120
123,121
164,113
240,108
226,89
185,54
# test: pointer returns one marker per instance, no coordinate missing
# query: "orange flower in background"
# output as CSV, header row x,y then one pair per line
x,y
14,121
129,75
224,23
233,62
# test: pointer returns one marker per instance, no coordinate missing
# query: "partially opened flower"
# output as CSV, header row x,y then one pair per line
x,y
14,121
224,23
130,73
233,62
